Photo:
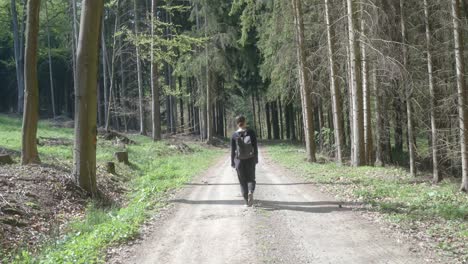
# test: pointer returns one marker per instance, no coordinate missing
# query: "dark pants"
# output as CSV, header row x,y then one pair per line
x,y
246,174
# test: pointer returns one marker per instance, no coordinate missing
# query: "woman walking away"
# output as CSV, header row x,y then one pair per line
x,y
244,157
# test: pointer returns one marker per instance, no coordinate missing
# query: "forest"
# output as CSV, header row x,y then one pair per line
x,y
369,87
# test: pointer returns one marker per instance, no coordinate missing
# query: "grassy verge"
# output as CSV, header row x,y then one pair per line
x,y
156,168
436,213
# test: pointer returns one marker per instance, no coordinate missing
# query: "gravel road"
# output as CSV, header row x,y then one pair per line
x,y
291,222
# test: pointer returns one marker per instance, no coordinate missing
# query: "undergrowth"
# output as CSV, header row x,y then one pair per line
x,y
155,169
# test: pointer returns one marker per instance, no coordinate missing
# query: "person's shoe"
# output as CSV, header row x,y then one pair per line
x,y
250,200
246,203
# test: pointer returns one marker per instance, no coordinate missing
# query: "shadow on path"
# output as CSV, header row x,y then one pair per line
x,y
210,184
308,207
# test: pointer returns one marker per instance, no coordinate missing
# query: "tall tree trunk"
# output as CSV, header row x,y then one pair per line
x,y
123,88
209,126
17,48
358,157
141,105
462,91
368,139
51,75
436,176
293,123
398,129
275,120
104,69
408,92
320,122
268,119
304,81
253,112
112,66
21,57
334,90
379,157
281,118
287,120
155,105
259,132
181,107
85,101
29,152
74,41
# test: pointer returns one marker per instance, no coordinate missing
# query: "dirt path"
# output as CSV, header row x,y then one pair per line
x,y
291,222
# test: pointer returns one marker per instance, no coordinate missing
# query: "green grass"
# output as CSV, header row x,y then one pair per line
x,y
392,191
156,169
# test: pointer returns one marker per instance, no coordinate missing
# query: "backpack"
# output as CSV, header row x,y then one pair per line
x,y
245,149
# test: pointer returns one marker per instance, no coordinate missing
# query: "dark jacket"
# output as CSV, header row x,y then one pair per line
x,y
253,136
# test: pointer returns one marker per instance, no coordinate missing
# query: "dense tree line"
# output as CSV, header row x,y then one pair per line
x,y
370,83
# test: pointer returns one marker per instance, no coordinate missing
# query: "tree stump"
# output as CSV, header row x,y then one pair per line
x,y
122,156
5,159
110,167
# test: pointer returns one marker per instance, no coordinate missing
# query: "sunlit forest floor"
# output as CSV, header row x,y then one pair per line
x,y
45,217
435,215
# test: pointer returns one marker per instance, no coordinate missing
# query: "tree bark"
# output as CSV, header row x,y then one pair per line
x,y
436,176
268,119
462,91
209,126
379,157
368,138
254,112
275,120
358,157
29,152
293,123
155,106
281,119
287,120
408,92
334,90
85,97
259,132
304,82
21,57
398,129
